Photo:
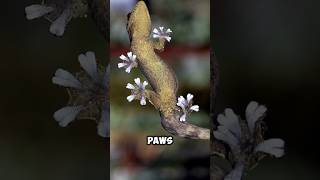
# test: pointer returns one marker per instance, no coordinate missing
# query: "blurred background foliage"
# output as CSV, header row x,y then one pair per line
x,y
188,54
32,145
268,51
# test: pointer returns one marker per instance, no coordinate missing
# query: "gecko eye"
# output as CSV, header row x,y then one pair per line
x,y
128,16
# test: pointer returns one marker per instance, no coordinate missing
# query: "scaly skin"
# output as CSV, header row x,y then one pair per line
x,y
161,78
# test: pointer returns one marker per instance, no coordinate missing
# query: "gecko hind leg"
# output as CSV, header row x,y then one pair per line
x,y
153,98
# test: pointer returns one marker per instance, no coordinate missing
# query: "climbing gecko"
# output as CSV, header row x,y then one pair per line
x,y
160,76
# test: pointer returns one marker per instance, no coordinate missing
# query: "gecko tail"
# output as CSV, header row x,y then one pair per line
x,y
184,129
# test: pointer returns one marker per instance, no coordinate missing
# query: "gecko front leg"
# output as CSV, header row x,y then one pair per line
x,y
159,45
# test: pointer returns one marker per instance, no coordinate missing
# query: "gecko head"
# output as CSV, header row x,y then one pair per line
x,y
139,21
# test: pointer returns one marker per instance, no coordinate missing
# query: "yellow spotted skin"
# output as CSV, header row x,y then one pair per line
x,y
160,76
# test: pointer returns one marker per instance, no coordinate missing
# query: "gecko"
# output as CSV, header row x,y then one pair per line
x,y
161,77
